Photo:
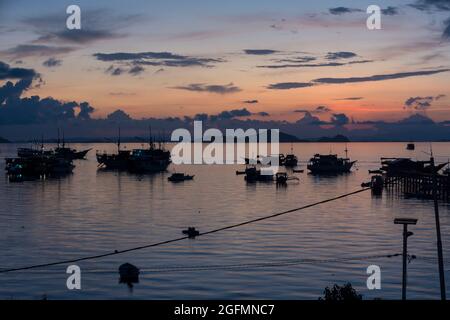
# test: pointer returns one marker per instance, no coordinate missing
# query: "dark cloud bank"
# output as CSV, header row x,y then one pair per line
x,y
25,118
18,110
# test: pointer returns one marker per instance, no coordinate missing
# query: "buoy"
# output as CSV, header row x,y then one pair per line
x,y
191,232
129,274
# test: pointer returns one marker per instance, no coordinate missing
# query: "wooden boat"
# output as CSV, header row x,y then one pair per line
x,y
71,154
329,164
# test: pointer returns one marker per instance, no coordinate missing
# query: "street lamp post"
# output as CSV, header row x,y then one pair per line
x,y
406,234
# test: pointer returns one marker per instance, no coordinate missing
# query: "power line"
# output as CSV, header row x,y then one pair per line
x,y
116,252
264,265
248,266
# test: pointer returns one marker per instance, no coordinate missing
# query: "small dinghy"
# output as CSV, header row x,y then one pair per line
x,y
178,177
281,177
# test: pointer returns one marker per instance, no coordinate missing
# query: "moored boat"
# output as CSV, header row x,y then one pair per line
x,y
290,160
253,174
149,160
71,154
114,161
404,166
329,164
410,146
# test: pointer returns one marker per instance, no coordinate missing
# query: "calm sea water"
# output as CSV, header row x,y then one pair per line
x,y
93,212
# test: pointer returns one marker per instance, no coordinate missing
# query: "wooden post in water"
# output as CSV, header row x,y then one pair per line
x,y
438,232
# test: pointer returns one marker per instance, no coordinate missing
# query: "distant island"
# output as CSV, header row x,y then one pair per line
x,y
283,138
337,138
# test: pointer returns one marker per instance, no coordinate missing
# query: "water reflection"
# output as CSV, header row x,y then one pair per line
x,y
95,211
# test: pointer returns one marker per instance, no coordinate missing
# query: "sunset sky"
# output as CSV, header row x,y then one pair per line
x,y
275,58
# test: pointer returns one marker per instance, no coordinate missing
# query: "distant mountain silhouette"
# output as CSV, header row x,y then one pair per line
x,y
337,138
417,119
3,140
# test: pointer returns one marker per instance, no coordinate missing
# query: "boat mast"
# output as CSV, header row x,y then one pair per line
x,y
150,139
58,142
118,142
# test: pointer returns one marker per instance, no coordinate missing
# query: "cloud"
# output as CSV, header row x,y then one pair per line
x,y
317,110
34,50
339,119
322,109
309,120
220,89
136,70
446,33
340,55
382,77
12,91
122,93
421,103
390,11
81,36
114,71
135,62
236,113
343,10
121,56
167,59
118,115
259,52
52,62
304,62
228,115
349,99
17,110
97,25
435,5
289,85
427,5
250,101
302,65
6,72
304,59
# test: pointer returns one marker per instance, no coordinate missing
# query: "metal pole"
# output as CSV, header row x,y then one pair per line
x,y
405,246
406,234
438,233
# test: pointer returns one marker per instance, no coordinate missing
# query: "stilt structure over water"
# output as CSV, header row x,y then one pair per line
x,y
416,179
419,186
